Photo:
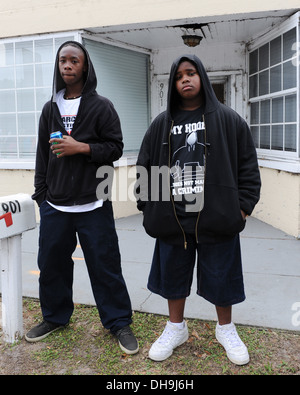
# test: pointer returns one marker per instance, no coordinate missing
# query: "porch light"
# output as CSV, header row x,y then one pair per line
x,y
192,41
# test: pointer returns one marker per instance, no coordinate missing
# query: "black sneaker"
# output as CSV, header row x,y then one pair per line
x,y
41,331
127,340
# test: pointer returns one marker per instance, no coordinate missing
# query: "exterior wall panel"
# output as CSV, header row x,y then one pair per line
x,y
42,16
279,204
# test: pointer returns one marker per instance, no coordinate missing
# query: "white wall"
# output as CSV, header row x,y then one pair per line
x,y
40,16
215,57
279,204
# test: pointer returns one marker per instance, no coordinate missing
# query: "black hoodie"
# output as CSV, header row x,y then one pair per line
x,y
71,180
232,180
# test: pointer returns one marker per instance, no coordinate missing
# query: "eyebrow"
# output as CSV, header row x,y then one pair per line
x,y
72,57
189,69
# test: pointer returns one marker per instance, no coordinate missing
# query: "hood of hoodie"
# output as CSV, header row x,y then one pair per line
x,y
211,101
90,76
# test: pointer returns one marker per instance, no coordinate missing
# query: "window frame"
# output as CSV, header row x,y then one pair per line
x,y
17,162
279,159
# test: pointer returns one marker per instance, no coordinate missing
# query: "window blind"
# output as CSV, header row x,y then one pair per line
x,y
122,77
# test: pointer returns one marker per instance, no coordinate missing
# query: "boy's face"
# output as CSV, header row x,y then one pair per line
x,y
72,65
187,81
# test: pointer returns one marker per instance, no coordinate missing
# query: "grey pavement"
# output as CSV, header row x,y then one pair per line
x,y
271,263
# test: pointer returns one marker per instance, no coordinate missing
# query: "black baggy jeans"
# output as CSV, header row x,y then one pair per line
x,y
99,242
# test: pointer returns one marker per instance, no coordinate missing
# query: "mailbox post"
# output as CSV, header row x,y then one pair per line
x,y
17,215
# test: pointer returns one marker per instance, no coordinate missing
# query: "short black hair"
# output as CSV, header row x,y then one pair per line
x,y
73,44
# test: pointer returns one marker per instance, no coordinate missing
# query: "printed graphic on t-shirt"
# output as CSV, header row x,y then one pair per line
x,y
68,110
188,166
68,121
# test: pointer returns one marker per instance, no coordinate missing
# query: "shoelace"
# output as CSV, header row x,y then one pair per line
x,y
124,332
166,336
233,338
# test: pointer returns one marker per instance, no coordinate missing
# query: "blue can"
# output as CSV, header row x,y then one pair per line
x,y
56,135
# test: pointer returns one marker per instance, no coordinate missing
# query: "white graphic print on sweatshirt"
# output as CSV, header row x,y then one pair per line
x,y
188,166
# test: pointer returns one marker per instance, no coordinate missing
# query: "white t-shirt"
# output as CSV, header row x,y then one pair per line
x,y
68,110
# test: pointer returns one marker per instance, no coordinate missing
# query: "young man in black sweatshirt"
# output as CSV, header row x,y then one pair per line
x,y
200,207
66,191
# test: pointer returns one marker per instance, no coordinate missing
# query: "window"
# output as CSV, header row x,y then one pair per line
x,y
274,94
26,74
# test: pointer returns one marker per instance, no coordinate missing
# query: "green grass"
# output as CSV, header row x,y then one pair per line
x,y
85,347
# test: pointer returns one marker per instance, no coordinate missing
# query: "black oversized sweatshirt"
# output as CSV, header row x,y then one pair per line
x,y
71,180
232,180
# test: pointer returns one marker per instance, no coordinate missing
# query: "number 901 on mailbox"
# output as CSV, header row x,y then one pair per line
x,y
17,215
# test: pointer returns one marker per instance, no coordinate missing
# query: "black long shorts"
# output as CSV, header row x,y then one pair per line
x,y
219,271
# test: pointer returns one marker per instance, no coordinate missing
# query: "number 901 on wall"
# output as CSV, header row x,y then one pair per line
x,y
17,215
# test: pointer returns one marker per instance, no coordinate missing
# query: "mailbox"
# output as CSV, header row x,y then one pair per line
x,y
17,215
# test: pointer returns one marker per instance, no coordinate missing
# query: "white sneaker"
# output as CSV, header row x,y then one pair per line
x,y
235,349
171,338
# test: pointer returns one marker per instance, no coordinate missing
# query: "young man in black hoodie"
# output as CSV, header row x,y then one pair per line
x,y
65,189
213,183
